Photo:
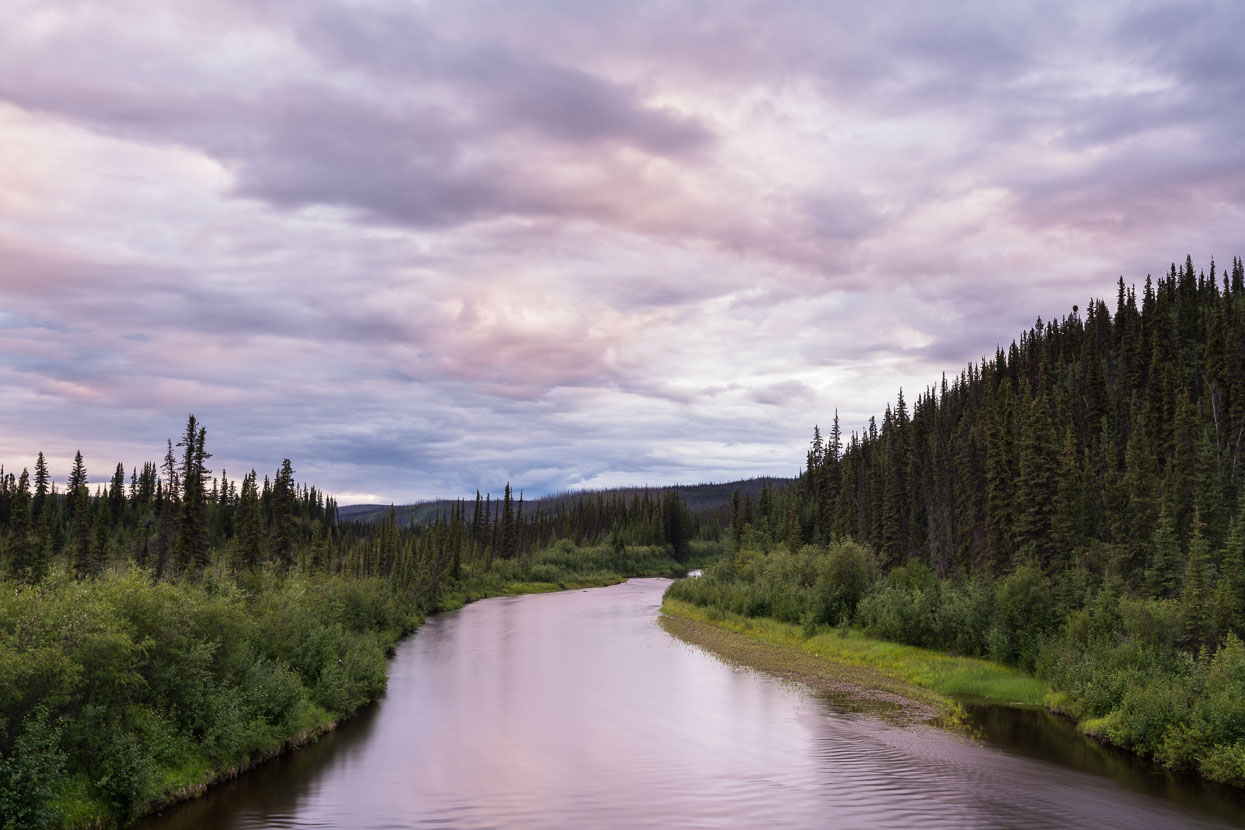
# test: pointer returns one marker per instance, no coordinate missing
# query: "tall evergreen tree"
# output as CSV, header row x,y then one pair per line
x,y
80,537
675,525
250,539
284,531
116,496
1035,496
77,480
192,528
507,540
42,485
21,554
1067,519
1001,478
1195,589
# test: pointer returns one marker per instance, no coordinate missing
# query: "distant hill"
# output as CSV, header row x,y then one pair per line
x,y
421,512
710,500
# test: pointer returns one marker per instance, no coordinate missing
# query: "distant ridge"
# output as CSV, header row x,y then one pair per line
x,y
710,500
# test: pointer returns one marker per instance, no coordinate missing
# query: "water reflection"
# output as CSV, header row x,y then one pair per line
x,y
576,710
1037,734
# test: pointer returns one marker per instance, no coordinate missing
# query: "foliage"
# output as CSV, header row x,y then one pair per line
x,y
147,676
30,775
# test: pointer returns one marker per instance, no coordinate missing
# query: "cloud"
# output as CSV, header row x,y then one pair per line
x,y
424,248
504,89
783,393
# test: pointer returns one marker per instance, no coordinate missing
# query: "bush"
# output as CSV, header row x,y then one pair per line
x,y
904,606
900,614
844,575
151,678
1023,616
1147,713
32,774
1225,763
126,772
963,617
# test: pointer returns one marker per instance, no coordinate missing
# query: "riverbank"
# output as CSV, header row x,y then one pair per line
x,y
897,681
123,695
1130,671
201,779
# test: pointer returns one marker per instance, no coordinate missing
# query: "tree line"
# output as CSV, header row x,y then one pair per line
x,y
173,518
1108,442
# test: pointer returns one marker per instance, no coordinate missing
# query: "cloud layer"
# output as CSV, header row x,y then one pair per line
x,y
421,248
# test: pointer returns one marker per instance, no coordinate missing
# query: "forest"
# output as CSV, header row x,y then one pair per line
x,y
1072,505
170,630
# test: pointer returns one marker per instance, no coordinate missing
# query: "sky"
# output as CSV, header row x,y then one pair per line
x,y
421,248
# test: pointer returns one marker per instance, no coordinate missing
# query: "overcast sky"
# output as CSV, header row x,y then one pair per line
x,y
425,247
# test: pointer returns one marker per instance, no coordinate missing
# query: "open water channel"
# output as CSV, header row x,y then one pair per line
x,y
577,710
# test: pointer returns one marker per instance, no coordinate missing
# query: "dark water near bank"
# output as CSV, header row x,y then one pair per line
x,y
577,710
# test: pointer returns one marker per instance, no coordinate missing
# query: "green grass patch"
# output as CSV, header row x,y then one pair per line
x,y
78,806
947,676
468,593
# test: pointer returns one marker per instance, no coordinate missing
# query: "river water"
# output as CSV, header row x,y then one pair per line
x,y
577,710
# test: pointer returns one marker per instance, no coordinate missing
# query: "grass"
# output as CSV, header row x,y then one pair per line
x,y
926,682
458,598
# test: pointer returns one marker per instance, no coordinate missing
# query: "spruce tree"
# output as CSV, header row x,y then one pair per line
x,y
1195,587
77,479
284,529
1141,486
192,528
116,496
1035,495
1229,591
100,537
250,538
1067,517
80,521
737,520
318,560
43,549
506,543
1163,575
1001,479
42,483
21,554
675,526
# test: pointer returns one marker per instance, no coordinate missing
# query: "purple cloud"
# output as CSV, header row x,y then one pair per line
x,y
424,249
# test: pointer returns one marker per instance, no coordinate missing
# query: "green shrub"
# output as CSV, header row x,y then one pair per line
x,y
843,576
1023,616
963,616
904,606
32,774
1225,763
125,772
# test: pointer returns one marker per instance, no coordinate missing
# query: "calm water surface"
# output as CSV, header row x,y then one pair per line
x,y
576,710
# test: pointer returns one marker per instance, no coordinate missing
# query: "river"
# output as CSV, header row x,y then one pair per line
x,y
577,710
